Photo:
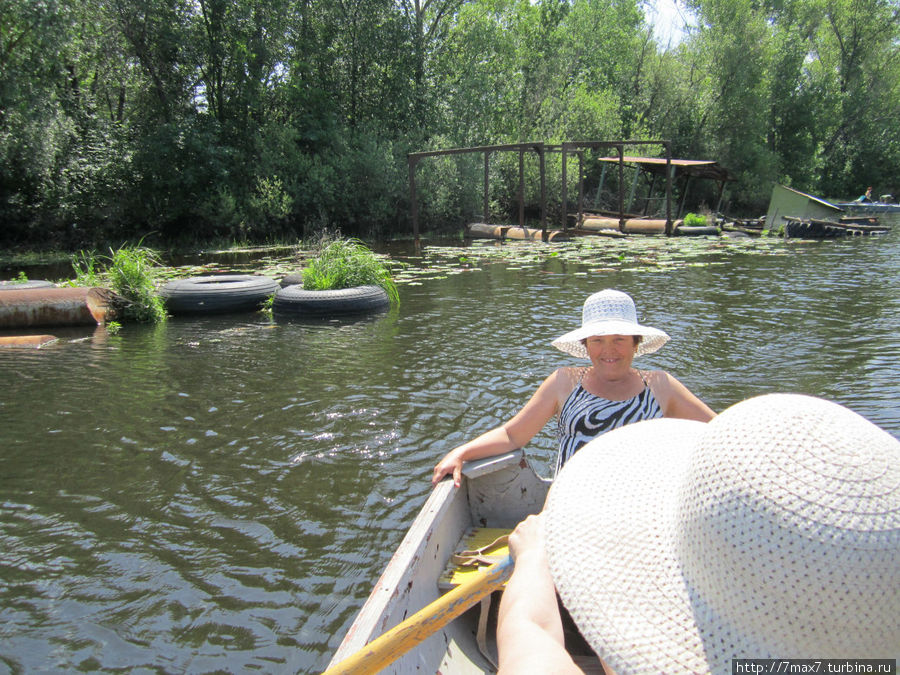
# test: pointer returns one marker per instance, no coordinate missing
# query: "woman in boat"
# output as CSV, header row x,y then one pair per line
x,y
590,401
678,547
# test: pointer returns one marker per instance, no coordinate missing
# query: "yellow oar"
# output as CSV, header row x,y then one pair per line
x,y
401,638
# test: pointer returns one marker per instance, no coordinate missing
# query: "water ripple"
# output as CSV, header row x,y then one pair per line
x,y
221,493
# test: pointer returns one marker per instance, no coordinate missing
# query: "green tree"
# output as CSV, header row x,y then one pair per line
x,y
734,44
31,36
857,71
427,23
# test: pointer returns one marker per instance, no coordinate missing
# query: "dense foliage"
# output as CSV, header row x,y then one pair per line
x,y
188,120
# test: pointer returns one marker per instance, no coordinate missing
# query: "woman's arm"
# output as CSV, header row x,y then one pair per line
x,y
676,400
513,434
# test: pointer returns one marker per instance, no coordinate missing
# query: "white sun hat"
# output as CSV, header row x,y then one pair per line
x,y
772,531
610,312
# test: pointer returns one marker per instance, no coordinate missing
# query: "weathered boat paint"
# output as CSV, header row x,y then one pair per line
x,y
386,648
495,492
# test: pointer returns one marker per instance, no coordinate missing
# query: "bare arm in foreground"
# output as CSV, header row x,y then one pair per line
x,y
529,629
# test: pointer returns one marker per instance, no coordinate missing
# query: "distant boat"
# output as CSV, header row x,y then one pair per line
x,y
887,206
800,215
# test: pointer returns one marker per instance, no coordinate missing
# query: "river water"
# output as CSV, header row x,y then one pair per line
x,y
219,494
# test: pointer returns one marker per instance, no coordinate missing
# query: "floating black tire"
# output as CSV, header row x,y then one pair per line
x,y
291,280
295,301
217,294
25,285
696,230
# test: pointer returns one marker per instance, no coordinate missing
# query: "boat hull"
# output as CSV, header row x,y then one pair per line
x,y
495,492
870,207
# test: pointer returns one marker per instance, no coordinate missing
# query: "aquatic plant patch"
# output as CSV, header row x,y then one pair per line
x,y
347,263
434,262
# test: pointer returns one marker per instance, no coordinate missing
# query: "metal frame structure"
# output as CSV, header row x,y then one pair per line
x,y
414,158
656,164
578,146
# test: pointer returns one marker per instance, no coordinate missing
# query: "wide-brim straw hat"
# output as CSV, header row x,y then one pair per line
x,y
773,531
610,312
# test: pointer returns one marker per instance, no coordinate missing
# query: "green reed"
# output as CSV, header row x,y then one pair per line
x,y
345,263
130,272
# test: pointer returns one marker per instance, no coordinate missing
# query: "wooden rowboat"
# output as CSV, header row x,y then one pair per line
x,y
497,492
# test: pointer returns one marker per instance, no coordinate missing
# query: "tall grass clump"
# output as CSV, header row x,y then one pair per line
x,y
87,269
695,220
345,263
130,274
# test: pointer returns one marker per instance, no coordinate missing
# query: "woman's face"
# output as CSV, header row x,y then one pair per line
x,y
611,353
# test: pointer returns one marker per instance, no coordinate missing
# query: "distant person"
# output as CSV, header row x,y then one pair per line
x,y
773,532
866,197
591,400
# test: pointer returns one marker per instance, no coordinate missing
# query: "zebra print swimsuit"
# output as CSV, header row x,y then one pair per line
x,y
585,416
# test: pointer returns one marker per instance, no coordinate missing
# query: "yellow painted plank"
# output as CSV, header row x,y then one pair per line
x,y
475,538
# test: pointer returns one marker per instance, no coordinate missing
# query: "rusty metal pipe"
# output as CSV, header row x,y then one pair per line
x,y
26,341
80,306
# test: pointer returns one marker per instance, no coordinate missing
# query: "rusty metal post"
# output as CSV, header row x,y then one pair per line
x,y
487,184
543,194
669,227
719,199
565,184
412,161
649,194
522,188
621,187
580,186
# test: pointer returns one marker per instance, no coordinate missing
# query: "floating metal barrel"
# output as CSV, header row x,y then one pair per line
x,y
632,225
487,231
80,306
26,341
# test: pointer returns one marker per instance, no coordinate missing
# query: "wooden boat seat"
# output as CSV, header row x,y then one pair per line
x,y
487,545
481,547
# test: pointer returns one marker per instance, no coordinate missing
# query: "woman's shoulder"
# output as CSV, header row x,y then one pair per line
x,y
564,379
570,375
659,381
675,399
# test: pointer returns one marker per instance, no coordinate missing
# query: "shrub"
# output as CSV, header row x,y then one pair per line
x,y
130,275
695,220
86,268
